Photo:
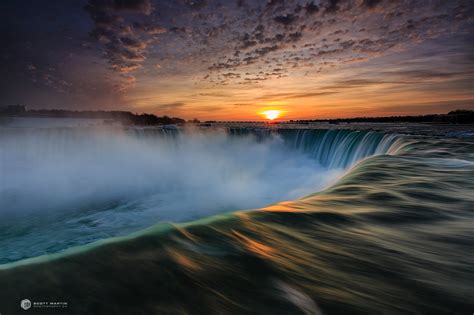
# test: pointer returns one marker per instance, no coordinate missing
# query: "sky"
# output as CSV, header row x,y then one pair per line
x,y
233,59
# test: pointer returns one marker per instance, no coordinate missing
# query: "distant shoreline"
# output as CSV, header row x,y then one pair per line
x,y
124,117
459,116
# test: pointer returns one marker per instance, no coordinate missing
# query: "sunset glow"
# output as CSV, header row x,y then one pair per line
x,y
237,156
271,114
226,60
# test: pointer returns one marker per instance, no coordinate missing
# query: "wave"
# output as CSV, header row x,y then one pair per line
x,y
392,235
81,185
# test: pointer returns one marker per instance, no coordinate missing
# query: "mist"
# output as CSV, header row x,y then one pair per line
x,y
194,172
92,183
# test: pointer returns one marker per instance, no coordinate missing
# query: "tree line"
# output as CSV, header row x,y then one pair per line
x,y
121,116
459,116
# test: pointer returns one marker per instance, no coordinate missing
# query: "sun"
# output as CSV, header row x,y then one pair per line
x,y
271,114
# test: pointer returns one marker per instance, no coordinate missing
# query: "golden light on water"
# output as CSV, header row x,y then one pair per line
x,y
272,114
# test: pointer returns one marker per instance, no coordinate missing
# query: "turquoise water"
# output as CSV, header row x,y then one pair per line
x,y
390,233
63,187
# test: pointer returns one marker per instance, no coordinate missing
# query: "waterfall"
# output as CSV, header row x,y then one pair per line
x,y
83,184
339,148
331,148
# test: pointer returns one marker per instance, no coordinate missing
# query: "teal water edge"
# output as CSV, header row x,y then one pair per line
x,y
64,187
391,234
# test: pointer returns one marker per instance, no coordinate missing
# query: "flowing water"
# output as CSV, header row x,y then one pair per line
x,y
358,221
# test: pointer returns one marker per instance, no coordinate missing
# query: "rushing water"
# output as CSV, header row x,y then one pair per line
x,y
392,235
71,186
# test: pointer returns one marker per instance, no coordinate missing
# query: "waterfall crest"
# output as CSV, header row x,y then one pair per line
x,y
331,148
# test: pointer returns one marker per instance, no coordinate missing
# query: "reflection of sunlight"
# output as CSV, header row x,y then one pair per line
x,y
254,246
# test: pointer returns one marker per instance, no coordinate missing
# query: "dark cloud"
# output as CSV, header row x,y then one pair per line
x,y
142,6
285,20
294,37
273,2
124,45
132,44
371,3
169,106
311,8
265,50
247,41
101,10
149,28
179,30
332,6
241,3
196,4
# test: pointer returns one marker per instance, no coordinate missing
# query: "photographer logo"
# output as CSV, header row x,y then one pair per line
x,y
25,304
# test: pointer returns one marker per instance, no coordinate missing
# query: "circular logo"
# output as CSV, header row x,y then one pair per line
x,y
25,304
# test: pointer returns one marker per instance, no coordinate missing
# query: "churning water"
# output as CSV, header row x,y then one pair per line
x,y
383,223
71,186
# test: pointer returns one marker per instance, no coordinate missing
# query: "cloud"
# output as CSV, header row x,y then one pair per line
x,y
101,10
294,95
427,107
244,41
126,67
371,3
169,106
286,20
132,44
294,37
141,6
332,6
196,4
149,28
128,82
176,29
311,8
424,75
124,41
